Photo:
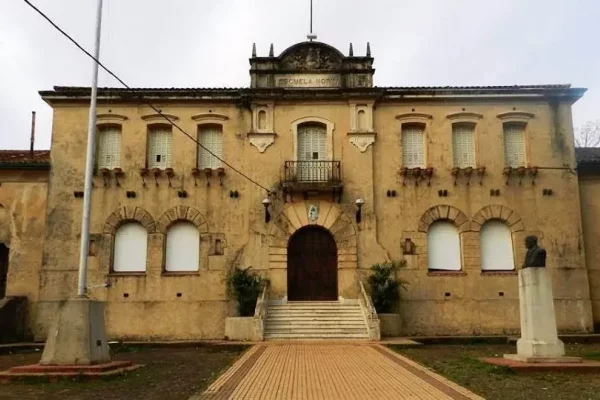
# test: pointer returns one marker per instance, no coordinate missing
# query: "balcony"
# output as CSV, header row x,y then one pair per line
x,y
313,176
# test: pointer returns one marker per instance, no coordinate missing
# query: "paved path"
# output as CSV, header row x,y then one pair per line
x,y
329,372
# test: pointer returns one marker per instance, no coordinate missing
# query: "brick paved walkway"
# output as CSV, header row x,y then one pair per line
x,y
329,372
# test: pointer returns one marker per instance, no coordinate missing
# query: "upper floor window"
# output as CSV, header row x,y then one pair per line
x,y
496,247
312,141
211,138
443,246
463,145
131,244
159,146
514,144
413,146
109,147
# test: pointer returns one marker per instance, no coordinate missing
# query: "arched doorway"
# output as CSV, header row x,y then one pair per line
x,y
312,265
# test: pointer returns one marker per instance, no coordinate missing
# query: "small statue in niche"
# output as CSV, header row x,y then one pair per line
x,y
408,247
536,256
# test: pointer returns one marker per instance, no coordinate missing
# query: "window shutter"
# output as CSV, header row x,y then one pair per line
x,y
463,146
212,139
312,143
443,247
183,247
159,147
109,147
413,147
514,145
496,247
131,244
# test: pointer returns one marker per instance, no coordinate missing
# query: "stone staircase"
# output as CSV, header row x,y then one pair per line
x,y
304,320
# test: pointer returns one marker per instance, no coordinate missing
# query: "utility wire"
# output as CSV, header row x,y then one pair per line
x,y
141,97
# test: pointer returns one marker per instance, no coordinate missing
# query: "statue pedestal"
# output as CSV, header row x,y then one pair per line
x,y
539,340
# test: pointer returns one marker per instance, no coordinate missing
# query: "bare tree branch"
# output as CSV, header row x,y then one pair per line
x,y
588,134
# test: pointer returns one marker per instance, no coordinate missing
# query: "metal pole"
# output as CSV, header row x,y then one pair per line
x,y
311,15
32,134
89,165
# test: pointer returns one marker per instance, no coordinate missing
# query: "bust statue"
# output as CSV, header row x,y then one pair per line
x,y
536,256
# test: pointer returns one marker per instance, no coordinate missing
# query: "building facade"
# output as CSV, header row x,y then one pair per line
x,y
450,179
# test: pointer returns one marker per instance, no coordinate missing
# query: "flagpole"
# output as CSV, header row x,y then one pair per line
x,y
89,165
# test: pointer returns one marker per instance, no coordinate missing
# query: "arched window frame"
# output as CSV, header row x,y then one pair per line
x,y
510,240
435,268
123,223
167,270
329,126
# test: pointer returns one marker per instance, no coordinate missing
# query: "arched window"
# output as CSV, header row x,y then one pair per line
x,y
262,119
443,247
131,244
183,248
108,152
211,137
159,146
496,247
361,120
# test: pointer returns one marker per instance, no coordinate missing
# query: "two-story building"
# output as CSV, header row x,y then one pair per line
x,y
451,179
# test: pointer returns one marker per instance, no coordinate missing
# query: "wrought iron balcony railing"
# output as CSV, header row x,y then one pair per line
x,y
313,173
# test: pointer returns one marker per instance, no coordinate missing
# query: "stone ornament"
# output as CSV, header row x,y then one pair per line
x,y
313,213
261,140
312,57
536,256
362,141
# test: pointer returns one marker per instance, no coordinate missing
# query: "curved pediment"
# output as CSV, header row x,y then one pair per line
x,y
311,56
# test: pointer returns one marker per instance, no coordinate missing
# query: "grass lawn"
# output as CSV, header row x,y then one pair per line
x,y
460,363
169,373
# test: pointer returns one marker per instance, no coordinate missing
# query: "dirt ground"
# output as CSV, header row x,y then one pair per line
x,y
461,364
169,373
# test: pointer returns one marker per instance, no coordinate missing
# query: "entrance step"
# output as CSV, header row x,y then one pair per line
x,y
315,320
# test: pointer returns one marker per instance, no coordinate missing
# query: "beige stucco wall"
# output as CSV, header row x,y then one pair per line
x,y
22,229
473,306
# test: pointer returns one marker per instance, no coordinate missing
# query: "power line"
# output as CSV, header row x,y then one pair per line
x,y
133,91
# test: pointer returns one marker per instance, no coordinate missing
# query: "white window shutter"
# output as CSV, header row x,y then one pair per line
x,y
160,147
413,146
109,147
183,248
496,247
514,145
443,247
312,143
131,244
463,145
212,139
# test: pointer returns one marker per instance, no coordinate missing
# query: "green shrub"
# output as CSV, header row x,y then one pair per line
x,y
245,287
384,285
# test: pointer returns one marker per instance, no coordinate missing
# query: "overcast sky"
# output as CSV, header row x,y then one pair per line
x,y
201,43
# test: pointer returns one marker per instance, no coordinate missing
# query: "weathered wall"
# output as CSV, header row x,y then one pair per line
x,y
22,225
473,304
589,189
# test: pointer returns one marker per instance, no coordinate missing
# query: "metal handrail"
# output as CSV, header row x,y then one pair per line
x,y
313,171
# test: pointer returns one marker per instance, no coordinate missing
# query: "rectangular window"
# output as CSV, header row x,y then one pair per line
x,y
109,147
159,147
211,137
463,145
413,146
514,145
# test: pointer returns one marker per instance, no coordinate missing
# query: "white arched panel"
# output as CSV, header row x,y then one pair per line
x,y
496,247
443,247
131,244
183,248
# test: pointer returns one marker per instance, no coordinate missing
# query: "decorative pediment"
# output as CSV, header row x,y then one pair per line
x,y
311,56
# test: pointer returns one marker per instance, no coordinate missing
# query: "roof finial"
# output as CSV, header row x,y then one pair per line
x,y
253,49
368,49
271,52
311,36
351,51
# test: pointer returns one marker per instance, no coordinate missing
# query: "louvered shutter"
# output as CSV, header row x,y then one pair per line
x,y
413,146
159,147
312,148
212,139
514,145
463,146
109,147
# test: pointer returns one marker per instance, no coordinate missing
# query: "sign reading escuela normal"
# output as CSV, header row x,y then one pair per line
x,y
308,80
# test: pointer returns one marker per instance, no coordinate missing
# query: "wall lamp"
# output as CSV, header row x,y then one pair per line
x,y
267,202
359,203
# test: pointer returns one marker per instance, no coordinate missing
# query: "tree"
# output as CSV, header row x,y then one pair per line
x,y
588,134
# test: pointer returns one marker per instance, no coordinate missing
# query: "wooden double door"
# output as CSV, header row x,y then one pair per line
x,y
312,265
